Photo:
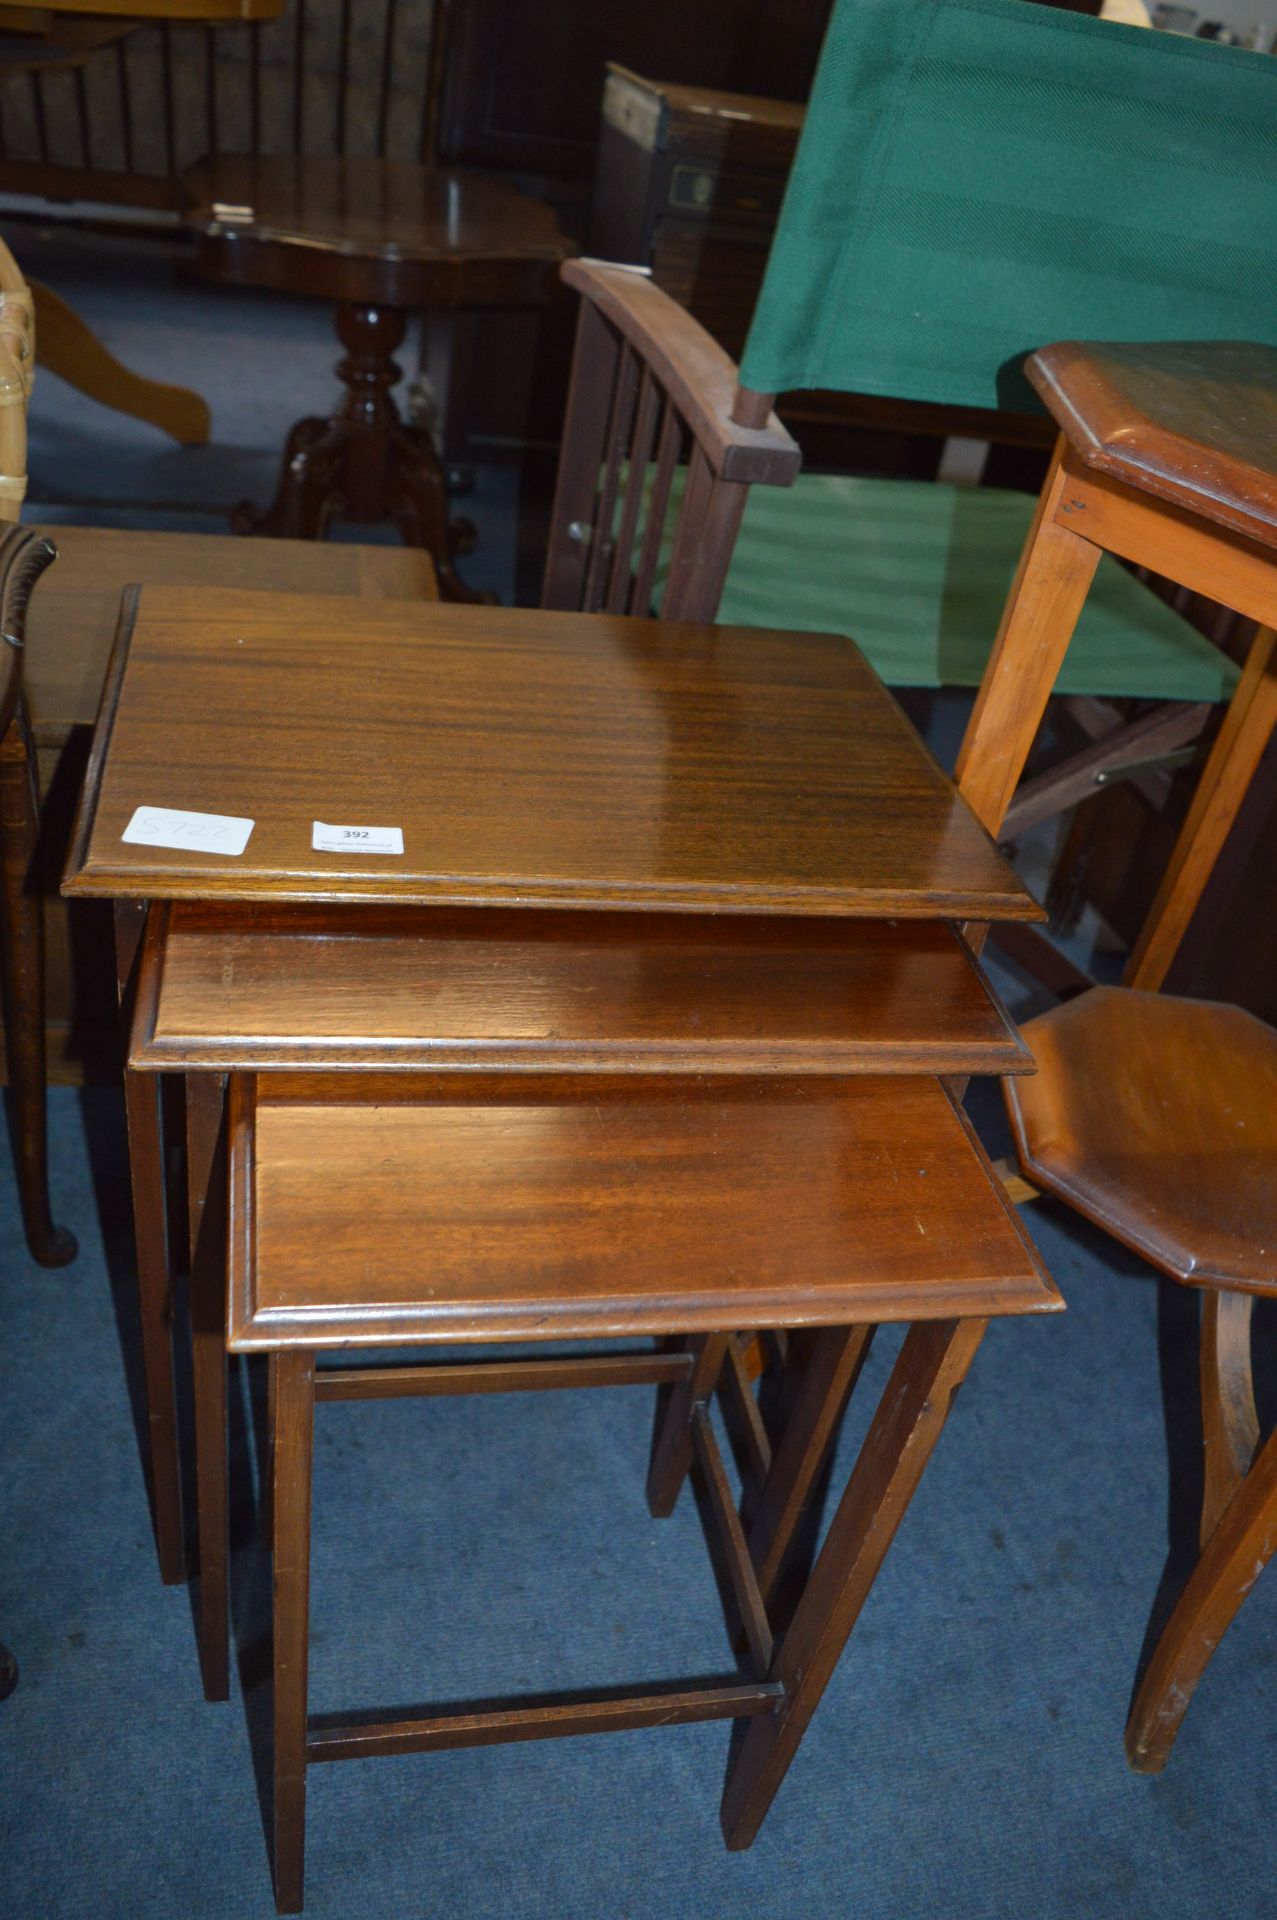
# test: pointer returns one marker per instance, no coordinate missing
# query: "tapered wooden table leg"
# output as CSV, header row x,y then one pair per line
x,y
932,1364
155,1309
205,1098
292,1450
672,1440
1234,1557
154,1277
828,1376
206,1170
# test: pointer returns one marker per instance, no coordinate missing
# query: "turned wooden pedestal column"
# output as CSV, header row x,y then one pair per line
x,y
366,463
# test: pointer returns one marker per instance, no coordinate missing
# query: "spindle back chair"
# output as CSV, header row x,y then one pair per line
x,y
649,388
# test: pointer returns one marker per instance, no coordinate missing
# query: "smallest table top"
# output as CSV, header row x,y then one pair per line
x,y
525,758
374,1212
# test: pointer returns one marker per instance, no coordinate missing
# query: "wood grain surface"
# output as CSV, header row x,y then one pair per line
x,y
530,758
486,988
72,620
352,227
1193,422
367,1211
1157,1118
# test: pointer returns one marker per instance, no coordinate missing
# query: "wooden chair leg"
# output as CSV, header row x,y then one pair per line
x,y
22,966
1235,1555
672,1439
830,1373
1247,729
292,1447
206,1172
155,1311
70,348
931,1366
1230,1424
1047,595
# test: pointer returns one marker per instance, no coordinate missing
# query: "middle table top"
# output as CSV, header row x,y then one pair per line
x,y
529,758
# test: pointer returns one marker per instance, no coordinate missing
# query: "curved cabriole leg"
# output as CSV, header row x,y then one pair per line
x,y
22,959
419,503
1235,1556
310,491
70,348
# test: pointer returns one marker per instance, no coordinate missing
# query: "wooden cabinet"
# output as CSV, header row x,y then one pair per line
x,y
690,183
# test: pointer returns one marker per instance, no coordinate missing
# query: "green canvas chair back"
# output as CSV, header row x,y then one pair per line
x,y
977,178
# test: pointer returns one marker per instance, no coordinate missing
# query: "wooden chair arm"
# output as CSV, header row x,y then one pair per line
x,y
694,370
24,555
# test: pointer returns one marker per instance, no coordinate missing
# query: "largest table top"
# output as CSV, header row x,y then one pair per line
x,y
529,758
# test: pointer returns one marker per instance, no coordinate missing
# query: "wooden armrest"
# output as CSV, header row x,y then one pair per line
x,y
699,377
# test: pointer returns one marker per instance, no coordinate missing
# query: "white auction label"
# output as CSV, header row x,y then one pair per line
x,y
326,839
190,832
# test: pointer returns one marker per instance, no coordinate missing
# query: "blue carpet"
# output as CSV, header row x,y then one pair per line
x,y
967,1758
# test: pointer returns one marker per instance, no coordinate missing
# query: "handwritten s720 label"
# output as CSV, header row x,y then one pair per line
x,y
326,839
188,832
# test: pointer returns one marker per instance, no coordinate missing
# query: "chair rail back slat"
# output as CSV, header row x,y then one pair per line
x,y
621,572
602,536
669,451
646,374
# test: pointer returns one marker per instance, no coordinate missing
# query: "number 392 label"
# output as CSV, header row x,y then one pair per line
x,y
326,839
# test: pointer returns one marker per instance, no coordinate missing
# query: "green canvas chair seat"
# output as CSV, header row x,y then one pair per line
x,y
917,573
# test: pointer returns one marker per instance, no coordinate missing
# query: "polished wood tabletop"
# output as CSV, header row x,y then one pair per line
x,y
228,985
527,758
358,204
577,1207
72,621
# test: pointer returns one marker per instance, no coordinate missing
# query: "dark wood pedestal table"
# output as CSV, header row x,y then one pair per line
x,y
641,1033
380,240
